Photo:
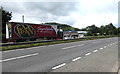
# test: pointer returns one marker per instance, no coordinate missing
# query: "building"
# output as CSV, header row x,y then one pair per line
x,y
74,34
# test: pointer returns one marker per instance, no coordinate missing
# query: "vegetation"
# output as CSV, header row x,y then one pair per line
x,y
64,27
11,47
118,31
6,17
109,29
92,30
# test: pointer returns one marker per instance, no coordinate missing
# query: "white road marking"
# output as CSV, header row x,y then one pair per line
x,y
19,49
101,48
95,50
22,49
10,50
68,47
29,48
95,42
51,45
43,46
72,46
19,57
33,47
105,46
87,54
110,44
59,44
113,43
76,58
81,45
59,66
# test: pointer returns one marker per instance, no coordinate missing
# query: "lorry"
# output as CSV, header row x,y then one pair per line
x,y
16,31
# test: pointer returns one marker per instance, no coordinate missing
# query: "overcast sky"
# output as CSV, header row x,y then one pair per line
x,y
77,13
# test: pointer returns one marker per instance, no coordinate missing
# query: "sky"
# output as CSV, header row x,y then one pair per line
x,y
77,13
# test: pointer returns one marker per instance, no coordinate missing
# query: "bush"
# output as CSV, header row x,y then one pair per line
x,y
3,38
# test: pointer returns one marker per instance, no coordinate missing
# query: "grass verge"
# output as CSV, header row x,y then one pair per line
x,y
5,48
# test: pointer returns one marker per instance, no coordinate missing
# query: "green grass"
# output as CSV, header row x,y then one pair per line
x,y
5,48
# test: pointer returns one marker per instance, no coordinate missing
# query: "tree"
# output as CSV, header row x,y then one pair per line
x,y
6,17
102,30
118,31
110,29
77,29
92,30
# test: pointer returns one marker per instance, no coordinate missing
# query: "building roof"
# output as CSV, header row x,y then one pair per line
x,y
70,32
75,32
82,32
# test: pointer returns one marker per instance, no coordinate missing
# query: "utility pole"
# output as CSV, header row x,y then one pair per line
x,y
23,18
23,23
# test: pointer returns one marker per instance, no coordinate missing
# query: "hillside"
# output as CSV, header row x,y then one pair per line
x,y
64,27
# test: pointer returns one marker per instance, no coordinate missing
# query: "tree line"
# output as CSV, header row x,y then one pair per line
x,y
92,30
109,29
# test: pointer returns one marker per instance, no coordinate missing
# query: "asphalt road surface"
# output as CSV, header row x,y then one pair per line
x,y
52,57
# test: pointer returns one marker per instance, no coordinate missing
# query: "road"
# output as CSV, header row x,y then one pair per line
x,y
51,57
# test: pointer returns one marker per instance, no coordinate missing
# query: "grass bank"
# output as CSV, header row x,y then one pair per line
x,y
5,48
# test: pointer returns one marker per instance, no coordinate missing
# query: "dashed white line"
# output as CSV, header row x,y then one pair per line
x,y
95,50
51,45
113,43
68,47
10,50
43,46
29,48
22,49
19,49
59,44
34,47
105,46
80,45
95,42
101,48
19,57
76,58
72,46
59,66
87,54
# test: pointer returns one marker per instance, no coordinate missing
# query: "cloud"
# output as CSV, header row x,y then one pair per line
x,y
42,11
80,13
97,19
55,8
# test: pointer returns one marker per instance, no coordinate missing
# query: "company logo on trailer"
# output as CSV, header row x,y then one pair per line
x,y
45,29
23,30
